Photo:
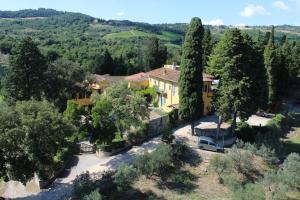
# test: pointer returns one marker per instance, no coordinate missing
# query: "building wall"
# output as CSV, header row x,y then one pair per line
x,y
168,94
138,85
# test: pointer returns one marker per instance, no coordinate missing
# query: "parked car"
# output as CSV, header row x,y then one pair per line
x,y
210,144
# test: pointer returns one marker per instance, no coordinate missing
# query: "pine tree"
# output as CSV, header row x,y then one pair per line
x,y
238,65
190,81
25,75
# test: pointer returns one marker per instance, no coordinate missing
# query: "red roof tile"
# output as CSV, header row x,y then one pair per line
x,y
173,75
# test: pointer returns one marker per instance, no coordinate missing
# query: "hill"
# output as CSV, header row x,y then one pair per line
x,y
80,37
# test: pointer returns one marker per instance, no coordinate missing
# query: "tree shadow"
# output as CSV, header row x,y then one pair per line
x,y
181,181
192,157
133,193
66,172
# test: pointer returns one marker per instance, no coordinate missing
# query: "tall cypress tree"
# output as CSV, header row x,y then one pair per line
x,y
270,60
191,80
26,74
207,46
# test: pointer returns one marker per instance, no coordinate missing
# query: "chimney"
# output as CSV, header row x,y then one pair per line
x,y
165,72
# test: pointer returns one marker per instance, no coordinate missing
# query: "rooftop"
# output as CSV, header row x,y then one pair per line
x,y
173,75
140,77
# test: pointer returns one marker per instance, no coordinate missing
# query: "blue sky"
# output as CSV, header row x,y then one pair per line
x,y
216,12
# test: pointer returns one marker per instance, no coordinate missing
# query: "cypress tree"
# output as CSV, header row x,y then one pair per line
x,y
207,46
191,80
270,61
156,54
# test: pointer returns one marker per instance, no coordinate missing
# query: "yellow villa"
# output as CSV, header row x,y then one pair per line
x,y
165,79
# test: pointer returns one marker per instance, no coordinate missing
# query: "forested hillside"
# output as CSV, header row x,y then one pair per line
x,y
91,42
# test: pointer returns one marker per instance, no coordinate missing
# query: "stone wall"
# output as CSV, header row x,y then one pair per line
x,y
158,125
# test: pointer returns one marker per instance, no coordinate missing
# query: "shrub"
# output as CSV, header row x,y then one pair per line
x,y
173,117
142,164
180,151
161,159
83,185
268,155
250,192
118,142
276,187
106,183
139,133
242,161
125,176
290,170
220,165
94,195
167,135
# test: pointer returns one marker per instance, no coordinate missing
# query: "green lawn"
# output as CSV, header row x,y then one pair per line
x,y
292,144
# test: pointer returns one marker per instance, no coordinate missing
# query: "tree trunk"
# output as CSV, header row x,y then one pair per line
x,y
193,127
234,123
219,126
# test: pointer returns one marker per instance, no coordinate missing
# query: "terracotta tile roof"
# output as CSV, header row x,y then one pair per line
x,y
173,75
96,78
137,77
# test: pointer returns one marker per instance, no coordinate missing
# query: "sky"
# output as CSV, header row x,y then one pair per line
x,y
214,12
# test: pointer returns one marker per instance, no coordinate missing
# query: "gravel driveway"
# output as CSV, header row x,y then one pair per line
x,y
62,187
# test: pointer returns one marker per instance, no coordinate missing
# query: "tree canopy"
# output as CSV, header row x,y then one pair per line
x,y
34,138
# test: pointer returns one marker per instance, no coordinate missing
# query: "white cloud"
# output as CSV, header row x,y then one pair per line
x,y
251,10
240,25
281,5
120,14
214,22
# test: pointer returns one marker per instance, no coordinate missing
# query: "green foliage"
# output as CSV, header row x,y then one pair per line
x,y
290,170
157,162
35,139
62,81
125,176
190,80
104,129
242,161
26,74
74,112
207,46
156,54
139,133
233,61
143,164
167,136
94,195
173,117
247,192
118,110
83,185
220,165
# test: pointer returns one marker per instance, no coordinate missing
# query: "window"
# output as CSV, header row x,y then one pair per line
x,y
203,142
212,144
174,89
